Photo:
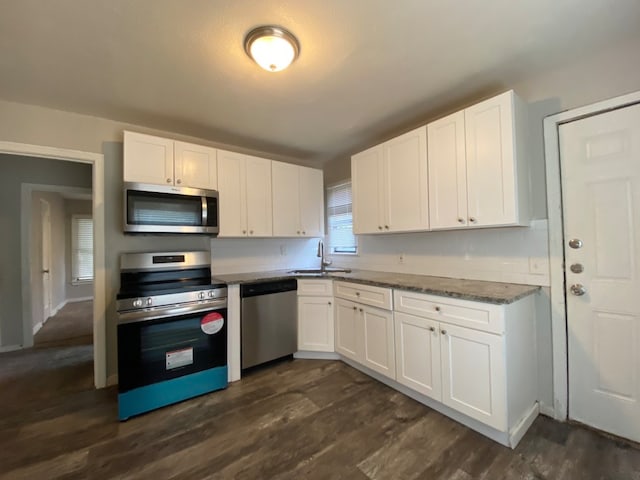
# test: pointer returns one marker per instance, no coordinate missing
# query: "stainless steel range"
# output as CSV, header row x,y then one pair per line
x,y
172,330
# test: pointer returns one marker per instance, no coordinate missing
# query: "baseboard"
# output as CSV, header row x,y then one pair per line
x,y
112,380
547,410
519,430
10,348
57,309
79,299
308,355
37,327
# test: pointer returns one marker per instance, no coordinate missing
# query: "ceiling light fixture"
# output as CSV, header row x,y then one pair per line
x,y
273,48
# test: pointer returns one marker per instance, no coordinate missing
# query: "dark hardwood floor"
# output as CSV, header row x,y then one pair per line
x,y
301,419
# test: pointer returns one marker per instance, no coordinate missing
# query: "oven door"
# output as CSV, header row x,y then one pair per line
x,y
164,348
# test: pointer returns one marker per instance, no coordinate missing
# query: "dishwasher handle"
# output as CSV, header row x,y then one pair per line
x,y
265,288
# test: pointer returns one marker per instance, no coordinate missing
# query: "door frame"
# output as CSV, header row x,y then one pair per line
x,y
99,269
559,337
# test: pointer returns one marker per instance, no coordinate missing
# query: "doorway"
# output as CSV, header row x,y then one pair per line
x,y
45,269
592,211
99,304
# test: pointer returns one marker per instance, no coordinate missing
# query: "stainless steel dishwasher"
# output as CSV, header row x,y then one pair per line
x,y
269,325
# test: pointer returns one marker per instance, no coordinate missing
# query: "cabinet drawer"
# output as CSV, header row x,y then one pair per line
x,y
365,294
315,288
476,315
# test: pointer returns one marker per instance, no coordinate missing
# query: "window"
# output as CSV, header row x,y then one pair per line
x,y
340,223
81,248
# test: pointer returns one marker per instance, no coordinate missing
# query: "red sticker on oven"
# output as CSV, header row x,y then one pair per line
x,y
212,323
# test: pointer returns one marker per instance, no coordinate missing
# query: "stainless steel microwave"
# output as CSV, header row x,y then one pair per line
x,y
168,209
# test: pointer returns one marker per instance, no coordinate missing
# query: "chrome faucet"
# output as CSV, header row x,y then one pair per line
x,y
323,263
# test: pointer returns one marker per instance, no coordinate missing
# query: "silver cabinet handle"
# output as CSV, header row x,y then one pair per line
x,y
578,290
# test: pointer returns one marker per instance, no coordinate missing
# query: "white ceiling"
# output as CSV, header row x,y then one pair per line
x,y
366,68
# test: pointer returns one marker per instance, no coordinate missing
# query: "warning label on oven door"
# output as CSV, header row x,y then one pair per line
x,y
179,358
212,323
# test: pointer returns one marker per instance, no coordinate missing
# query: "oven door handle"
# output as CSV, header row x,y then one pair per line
x,y
168,312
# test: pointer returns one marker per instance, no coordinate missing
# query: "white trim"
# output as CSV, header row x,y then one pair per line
x,y
10,348
55,310
308,355
79,299
556,240
112,380
99,285
37,327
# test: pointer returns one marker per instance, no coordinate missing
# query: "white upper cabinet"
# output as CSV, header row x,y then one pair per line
x,y
161,161
298,201
477,169
244,189
195,166
366,187
148,159
389,184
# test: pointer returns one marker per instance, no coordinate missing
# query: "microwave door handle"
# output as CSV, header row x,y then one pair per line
x,y
205,212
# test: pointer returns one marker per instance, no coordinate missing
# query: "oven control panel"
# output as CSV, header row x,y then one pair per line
x,y
141,303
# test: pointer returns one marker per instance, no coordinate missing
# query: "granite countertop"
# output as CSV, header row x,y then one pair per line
x,y
475,290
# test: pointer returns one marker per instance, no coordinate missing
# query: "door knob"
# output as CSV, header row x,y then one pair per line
x,y
578,290
577,268
575,243
45,271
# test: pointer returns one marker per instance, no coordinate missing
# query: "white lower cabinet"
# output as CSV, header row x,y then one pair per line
x,y
365,333
418,354
487,376
315,316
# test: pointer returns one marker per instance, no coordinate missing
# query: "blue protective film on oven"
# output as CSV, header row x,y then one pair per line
x,y
143,399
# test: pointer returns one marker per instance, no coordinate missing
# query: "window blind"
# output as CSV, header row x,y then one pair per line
x,y
340,222
82,248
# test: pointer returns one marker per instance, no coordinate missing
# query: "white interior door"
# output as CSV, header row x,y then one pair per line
x,y
600,160
45,213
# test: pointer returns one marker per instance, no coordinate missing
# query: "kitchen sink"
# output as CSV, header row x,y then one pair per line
x,y
318,271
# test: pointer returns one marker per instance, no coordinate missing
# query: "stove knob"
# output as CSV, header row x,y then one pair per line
x,y
211,293
201,295
149,302
137,303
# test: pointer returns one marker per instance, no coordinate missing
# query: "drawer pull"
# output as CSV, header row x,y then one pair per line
x,y
355,308
444,332
329,303
357,294
361,310
437,309
432,329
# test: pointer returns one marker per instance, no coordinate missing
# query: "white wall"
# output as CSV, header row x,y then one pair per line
x,y
257,255
83,290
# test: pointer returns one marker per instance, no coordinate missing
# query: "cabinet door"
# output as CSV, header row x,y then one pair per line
x,y
258,194
348,341
418,354
195,166
311,202
491,173
474,374
379,345
447,172
315,324
286,208
232,195
368,197
405,182
148,159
